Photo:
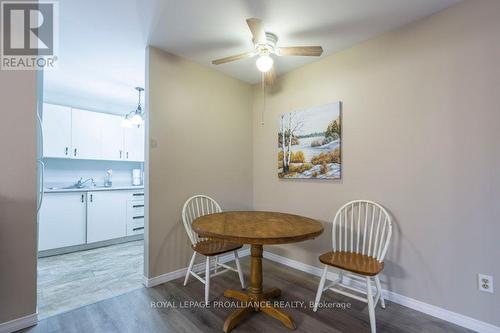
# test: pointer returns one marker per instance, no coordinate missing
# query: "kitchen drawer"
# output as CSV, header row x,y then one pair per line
x,y
137,195
136,208
135,217
135,227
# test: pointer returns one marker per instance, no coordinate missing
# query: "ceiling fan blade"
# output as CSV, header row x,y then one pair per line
x,y
258,33
314,51
233,58
270,77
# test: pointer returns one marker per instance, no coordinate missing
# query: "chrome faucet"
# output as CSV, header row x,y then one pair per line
x,y
80,183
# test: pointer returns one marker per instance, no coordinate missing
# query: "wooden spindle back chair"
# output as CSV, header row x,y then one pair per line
x,y
194,207
361,233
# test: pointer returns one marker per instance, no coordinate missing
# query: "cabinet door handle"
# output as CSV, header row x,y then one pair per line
x,y
74,152
137,206
66,151
127,155
121,154
138,217
91,198
138,194
82,198
139,228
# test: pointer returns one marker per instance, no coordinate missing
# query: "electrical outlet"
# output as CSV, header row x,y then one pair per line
x,y
485,283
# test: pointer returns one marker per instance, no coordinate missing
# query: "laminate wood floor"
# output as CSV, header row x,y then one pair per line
x,y
140,310
69,281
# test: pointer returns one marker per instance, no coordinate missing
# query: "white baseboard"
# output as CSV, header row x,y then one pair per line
x,y
19,323
432,310
151,282
435,311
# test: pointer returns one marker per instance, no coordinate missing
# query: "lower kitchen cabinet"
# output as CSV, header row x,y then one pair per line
x,y
106,215
78,218
62,220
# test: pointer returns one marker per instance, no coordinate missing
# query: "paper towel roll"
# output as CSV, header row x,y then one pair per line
x,y
136,176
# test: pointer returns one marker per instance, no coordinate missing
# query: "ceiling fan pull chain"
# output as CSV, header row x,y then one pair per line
x,y
263,99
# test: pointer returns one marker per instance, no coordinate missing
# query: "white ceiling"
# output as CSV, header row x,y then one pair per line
x,y
203,30
101,56
102,43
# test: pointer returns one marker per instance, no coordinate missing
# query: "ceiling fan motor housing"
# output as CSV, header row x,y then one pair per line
x,y
265,45
270,46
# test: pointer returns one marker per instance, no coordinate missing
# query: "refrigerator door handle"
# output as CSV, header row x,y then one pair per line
x,y
40,123
42,176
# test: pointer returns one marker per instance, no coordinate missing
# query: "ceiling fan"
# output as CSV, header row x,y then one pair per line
x,y
265,46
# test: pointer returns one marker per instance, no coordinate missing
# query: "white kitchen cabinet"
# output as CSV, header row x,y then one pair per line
x,y
133,144
112,138
86,134
62,220
106,215
56,130
81,134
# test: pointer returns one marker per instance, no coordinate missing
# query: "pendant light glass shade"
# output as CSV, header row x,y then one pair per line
x,y
136,117
136,120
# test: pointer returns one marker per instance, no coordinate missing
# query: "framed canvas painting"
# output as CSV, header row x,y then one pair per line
x,y
309,143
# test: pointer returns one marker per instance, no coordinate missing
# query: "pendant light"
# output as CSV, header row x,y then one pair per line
x,y
136,117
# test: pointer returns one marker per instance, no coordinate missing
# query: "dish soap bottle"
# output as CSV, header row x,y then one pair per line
x,y
108,181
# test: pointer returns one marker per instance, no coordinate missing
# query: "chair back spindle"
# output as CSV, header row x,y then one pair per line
x,y
194,207
363,227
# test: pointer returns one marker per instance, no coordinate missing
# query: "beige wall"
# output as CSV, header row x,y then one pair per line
x,y
201,121
17,194
421,135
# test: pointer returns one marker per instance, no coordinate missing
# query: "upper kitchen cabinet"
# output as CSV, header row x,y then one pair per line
x,y
56,130
134,144
112,138
86,134
81,134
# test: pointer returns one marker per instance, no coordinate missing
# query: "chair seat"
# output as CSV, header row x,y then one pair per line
x,y
213,247
352,262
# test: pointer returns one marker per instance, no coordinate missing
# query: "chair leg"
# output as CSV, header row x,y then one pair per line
x,y
216,264
240,272
379,288
320,288
190,267
207,279
371,308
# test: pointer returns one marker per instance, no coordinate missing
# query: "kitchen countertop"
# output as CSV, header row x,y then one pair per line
x,y
92,189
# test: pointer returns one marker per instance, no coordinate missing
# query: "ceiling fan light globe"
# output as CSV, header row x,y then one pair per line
x,y
264,63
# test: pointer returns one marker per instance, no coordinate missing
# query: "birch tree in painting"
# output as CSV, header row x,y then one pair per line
x,y
294,125
282,139
289,125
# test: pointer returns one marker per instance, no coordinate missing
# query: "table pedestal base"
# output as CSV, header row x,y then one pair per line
x,y
255,300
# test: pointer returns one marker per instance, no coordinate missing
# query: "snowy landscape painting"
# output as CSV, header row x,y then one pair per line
x,y
309,143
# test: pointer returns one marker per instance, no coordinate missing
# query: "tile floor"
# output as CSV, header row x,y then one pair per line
x,y
69,281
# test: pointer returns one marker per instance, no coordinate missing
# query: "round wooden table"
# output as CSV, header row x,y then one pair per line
x,y
257,229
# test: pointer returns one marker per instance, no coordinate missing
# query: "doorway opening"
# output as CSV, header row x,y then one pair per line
x,y
91,154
